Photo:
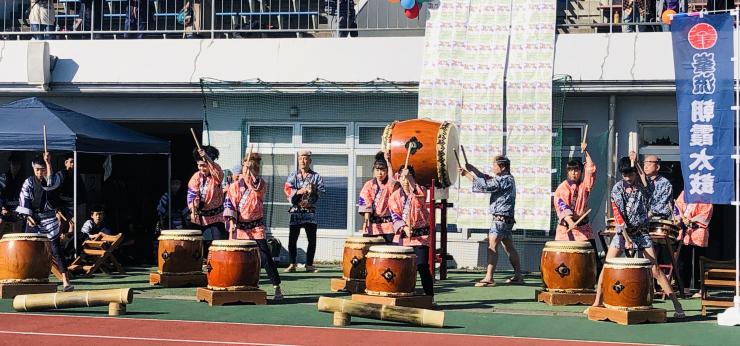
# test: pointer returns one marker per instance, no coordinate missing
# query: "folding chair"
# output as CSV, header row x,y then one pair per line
x,y
97,254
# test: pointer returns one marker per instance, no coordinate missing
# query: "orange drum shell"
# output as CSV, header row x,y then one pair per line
x,y
636,286
356,271
233,269
580,274
403,282
183,256
423,160
25,261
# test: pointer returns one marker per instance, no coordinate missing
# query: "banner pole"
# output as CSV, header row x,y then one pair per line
x,y
731,316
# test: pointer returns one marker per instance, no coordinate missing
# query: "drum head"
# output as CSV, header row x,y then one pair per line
x,y
233,243
392,249
625,261
568,244
24,236
448,141
181,232
364,240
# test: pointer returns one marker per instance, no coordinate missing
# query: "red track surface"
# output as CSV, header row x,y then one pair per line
x,y
29,329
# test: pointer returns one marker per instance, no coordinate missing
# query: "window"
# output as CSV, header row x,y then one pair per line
x,y
324,135
665,134
270,134
370,135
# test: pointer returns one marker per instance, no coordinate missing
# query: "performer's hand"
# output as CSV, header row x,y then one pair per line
x,y
571,223
407,231
30,221
633,156
628,244
583,146
202,153
47,158
365,224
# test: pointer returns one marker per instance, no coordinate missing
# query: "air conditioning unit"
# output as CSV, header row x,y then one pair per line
x,y
38,64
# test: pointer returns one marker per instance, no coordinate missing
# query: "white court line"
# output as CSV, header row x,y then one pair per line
x,y
141,338
342,329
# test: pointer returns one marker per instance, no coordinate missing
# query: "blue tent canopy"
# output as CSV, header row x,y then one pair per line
x,y
22,121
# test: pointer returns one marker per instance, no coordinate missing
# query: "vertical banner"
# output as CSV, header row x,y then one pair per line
x,y
702,52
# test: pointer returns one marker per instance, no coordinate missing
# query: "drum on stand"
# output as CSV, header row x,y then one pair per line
x,y
233,265
663,228
25,258
180,252
391,271
627,284
433,155
568,266
353,260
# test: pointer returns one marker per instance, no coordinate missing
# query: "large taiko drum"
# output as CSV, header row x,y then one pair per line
x,y
627,284
180,252
391,271
353,260
24,258
433,156
233,265
663,228
568,266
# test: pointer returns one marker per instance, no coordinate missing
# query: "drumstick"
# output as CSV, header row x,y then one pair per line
x,y
585,135
408,153
582,217
465,157
45,147
249,155
457,158
197,144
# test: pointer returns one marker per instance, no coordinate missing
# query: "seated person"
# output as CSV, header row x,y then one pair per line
x,y
95,224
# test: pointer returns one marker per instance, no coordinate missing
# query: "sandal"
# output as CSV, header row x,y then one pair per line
x,y
68,288
485,284
679,315
515,280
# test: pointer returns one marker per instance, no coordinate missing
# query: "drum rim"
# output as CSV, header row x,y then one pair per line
x,y
443,136
628,261
233,243
364,240
180,232
399,249
24,236
567,244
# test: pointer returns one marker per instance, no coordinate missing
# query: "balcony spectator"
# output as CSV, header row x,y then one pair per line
x,y
199,12
341,16
137,17
664,5
41,17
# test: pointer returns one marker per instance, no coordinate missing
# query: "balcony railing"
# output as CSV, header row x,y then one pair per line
x,y
627,15
105,19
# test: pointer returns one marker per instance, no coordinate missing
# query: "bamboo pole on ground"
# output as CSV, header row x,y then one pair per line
x,y
66,300
419,317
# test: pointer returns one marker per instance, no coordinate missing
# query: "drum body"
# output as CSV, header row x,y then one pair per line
x,y
663,228
353,260
180,252
434,153
233,265
627,284
24,258
568,266
391,271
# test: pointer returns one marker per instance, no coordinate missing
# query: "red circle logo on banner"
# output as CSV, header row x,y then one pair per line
x,y
702,36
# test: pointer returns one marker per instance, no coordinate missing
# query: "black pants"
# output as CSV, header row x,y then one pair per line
x,y
295,231
58,254
267,262
599,265
422,267
387,237
218,232
686,272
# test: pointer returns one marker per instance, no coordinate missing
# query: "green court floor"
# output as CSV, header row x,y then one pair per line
x,y
502,310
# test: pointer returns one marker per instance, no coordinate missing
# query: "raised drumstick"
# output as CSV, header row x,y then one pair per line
x,y
465,157
249,155
197,144
408,153
457,158
585,135
582,217
46,149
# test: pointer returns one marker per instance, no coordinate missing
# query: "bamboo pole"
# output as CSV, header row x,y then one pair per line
x,y
66,300
419,317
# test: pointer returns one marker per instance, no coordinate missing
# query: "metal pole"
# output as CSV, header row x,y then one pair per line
x,y
611,151
169,191
432,231
443,240
74,199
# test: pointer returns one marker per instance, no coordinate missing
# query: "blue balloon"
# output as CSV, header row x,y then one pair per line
x,y
408,4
